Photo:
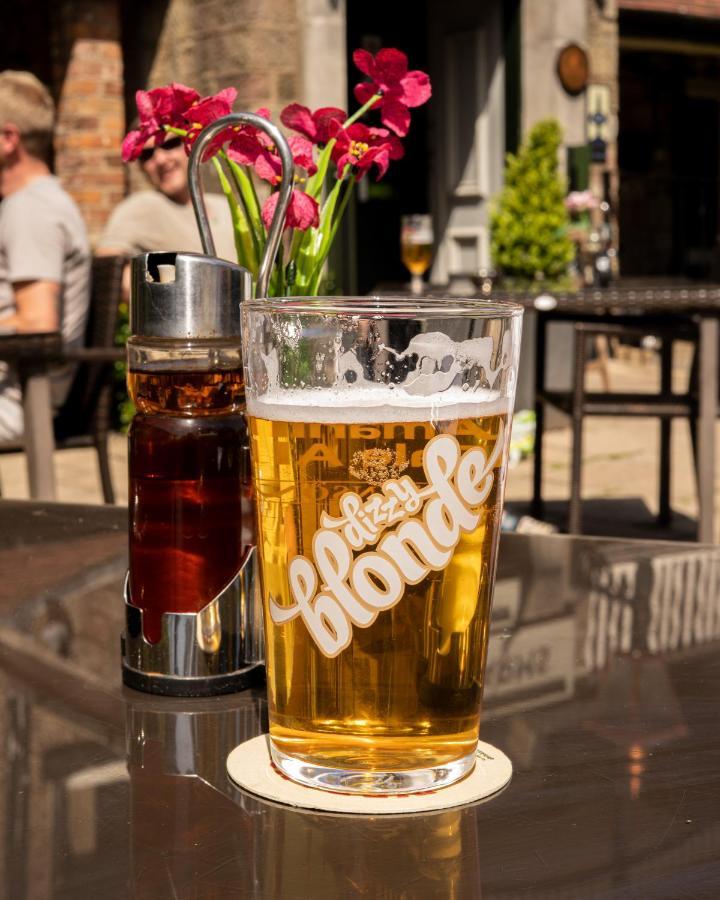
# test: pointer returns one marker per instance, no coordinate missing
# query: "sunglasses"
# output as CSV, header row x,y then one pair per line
x,y
172,144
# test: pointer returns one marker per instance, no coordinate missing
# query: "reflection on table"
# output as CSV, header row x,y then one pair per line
x,y
602,687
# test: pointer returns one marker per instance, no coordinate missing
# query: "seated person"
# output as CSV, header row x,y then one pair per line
x,y
45,256
163,219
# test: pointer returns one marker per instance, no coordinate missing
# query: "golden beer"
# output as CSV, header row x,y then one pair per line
x,y
376,577
416,257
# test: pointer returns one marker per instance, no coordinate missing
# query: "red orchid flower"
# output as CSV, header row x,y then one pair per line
x,y
251,147
157,108
362,147
134,142
400,89
165,104
269,167
203,113
303,212
302,151
316,126
248,144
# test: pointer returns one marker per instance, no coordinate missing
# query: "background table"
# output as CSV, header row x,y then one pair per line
x,y
602,687
680,303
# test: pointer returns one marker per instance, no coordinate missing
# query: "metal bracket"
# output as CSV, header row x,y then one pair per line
x,y
288,172
216,650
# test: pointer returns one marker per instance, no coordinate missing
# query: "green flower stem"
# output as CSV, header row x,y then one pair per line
x,y
315,183
243,239
358,114
246,189
300,246
313,242
298,239
307,244
328,242
172,130
279,273
321,235
301,239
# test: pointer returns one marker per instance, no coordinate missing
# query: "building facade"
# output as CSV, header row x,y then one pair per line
x,y
649,102
94,55
653,75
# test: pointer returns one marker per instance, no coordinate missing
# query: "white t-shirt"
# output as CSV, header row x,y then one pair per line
x,y
148,220
43,237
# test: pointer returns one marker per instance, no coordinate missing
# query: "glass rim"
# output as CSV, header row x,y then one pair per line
x,y
387,307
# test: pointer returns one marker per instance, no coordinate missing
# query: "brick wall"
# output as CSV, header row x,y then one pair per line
x,y
87,75
209,44
705,8
252,46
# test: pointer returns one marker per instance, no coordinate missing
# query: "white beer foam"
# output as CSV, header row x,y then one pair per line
x,y
373,405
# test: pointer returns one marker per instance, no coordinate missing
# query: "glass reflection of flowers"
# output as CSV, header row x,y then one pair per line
x,y
328,145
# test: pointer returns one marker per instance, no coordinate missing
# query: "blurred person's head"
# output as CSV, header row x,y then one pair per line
x,y
27,115
166,168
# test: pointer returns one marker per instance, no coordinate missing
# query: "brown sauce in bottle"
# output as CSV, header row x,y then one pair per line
x,y
191,515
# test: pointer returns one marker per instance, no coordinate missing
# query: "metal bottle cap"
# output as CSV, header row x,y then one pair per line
x,y
186,295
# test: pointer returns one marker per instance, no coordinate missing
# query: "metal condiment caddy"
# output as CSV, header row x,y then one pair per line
x,y
193,612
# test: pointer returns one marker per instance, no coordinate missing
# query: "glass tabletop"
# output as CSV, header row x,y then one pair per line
x,y
602,687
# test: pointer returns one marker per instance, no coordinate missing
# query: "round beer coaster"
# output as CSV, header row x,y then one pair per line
x,y
250,768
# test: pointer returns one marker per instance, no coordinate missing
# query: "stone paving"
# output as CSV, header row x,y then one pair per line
x,y
620,455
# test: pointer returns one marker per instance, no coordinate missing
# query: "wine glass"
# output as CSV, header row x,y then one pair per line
x,y
416,245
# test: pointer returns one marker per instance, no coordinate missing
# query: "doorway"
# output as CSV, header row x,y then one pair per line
x,y
669,161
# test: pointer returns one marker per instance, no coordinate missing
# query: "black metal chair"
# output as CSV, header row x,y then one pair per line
x,y
578,403
85,418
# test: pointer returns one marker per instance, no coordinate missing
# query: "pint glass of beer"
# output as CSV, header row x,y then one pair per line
x,y
379,433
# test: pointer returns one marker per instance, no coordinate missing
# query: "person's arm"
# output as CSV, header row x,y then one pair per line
x,y
37,307
123,236
34,241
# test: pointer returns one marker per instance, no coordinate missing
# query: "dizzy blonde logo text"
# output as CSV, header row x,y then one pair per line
x,y
416,530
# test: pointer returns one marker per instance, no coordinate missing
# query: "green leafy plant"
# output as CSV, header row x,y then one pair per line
x,y
529,222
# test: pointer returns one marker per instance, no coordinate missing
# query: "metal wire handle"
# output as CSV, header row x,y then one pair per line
x,y
286,183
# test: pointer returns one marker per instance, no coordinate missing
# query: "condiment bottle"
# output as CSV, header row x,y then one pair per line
x,y
190,510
